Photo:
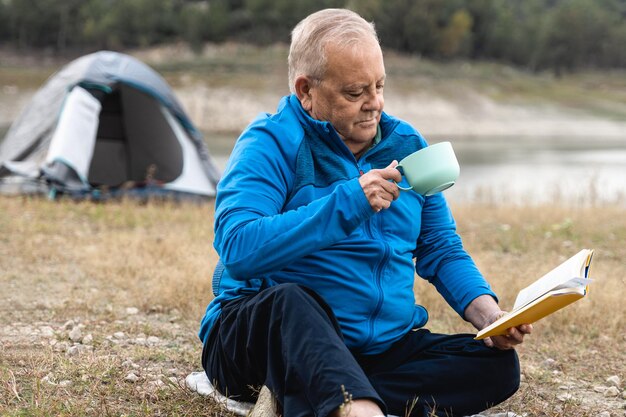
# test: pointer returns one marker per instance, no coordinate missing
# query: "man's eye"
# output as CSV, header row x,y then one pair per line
x,y
355,94
380,86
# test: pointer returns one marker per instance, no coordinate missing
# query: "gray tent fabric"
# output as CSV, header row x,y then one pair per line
x,y
106,121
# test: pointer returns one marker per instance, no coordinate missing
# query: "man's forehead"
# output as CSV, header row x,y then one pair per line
x,y
352,63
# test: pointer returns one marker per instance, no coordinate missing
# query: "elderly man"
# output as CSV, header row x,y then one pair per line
x,y
318,253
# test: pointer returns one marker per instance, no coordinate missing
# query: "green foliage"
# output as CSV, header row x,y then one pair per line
x,y
455,36
119,23
561,35
578,33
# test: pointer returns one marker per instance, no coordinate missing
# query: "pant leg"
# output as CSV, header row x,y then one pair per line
x,y
453,374
285,337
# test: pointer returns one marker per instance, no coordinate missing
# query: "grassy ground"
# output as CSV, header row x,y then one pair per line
x,y
129,283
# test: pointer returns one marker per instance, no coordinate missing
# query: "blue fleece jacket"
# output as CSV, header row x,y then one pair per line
x,y
289,208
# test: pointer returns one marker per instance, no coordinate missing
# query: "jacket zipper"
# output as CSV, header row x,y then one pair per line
x,y
378,270
378,275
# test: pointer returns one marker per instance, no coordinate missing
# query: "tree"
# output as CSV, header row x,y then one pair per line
x,y
577,31
272,20
456,36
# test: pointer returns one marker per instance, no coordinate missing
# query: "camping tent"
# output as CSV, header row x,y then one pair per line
x,y
106,123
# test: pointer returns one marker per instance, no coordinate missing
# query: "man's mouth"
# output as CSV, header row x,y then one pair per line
x,y
367,122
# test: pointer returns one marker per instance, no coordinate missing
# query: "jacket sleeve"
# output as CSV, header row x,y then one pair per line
x,y
442,260
253,235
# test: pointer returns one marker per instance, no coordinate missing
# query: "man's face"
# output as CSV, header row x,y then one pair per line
x,y
350,96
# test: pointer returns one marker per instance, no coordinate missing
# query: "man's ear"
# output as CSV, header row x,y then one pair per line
x,y
303,86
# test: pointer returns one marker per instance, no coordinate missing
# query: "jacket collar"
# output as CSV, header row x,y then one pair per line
x,y
321,127
325,130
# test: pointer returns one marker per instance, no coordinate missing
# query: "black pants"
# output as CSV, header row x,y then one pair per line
x,y
286,337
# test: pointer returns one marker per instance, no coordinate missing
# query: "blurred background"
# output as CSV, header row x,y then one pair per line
x,y
100,303
532,93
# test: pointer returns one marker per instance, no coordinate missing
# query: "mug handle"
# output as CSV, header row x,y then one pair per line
x,y
402,188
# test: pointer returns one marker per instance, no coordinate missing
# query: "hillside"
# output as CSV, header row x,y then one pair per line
x,y
225,86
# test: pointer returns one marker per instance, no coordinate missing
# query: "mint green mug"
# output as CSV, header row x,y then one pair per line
x,y
431,169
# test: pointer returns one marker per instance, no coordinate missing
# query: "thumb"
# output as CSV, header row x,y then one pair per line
x,y
393,164
391,173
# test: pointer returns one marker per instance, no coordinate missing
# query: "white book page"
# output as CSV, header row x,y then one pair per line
x,y
573,268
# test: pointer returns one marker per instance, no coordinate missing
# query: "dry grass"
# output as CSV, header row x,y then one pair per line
x,y
88,263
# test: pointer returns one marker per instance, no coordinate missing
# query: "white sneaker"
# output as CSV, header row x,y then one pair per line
x,y
198,382
265,405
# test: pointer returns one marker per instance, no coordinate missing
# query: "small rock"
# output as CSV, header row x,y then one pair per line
x,y
46,331
131,377
49,379
76,335
153,341
65,383
599,389
549,363
87,340
141,341
614,381
73,351
131,311
604,414
564,397
119,335
157,384
78,350
61,347
68,325
611,392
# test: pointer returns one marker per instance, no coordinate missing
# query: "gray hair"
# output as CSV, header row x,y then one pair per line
x,y
307,53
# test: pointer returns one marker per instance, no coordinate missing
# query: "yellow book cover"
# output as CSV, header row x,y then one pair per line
x,y
560,287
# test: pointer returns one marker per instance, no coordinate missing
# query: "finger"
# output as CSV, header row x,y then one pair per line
x,y
525,328
488,342
393,164
391,173
500,342
515,336
391,188
381,204
503,343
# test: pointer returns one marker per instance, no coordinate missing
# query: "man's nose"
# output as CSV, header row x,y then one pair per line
x,y
374,101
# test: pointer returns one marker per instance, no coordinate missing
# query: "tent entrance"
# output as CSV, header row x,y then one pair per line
x,y
134,142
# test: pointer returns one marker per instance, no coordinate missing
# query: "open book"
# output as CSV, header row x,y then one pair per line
x,y
558,288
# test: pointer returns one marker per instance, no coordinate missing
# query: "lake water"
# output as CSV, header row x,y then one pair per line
x,y
524,171
519,171
541,171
